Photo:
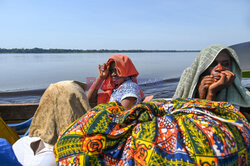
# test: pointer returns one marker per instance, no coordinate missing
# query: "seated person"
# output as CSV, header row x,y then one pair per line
x,y
61,104
215,75
118,80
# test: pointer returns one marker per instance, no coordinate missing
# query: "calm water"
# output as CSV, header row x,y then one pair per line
x,y
25,76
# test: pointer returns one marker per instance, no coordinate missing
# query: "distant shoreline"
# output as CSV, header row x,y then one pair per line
x,y
52,51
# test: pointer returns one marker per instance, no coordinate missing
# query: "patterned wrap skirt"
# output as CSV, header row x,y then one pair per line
x,y
177,132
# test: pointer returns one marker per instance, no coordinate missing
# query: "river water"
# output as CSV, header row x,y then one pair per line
x,y
25,76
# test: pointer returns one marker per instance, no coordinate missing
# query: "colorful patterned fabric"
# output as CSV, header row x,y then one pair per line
x,y
126,89
179,132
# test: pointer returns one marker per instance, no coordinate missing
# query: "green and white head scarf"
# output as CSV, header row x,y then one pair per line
x,y
235,94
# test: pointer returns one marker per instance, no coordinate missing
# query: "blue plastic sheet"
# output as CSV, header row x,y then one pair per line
x,y
7,156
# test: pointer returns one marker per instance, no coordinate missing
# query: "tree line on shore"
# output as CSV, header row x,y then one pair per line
x,y
41,50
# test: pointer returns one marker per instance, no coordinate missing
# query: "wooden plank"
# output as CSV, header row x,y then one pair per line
x,y
15,113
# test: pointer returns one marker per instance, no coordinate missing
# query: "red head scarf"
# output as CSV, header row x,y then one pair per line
x,y
125,68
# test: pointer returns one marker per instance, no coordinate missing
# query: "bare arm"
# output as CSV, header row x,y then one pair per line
x,y
206,81
128,102
93,90
209,86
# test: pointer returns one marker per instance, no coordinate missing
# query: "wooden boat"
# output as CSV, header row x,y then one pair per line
x,y
16,113
18,116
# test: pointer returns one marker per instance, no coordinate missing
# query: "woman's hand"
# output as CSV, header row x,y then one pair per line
x,y
230,77
226,79
204,85
93,90
103,71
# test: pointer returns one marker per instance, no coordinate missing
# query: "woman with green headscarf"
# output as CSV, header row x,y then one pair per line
x,y
214,75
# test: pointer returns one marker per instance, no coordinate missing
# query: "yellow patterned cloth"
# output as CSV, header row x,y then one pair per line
x,y
179,132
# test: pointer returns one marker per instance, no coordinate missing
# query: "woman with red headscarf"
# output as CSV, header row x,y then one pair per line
x,y
117,79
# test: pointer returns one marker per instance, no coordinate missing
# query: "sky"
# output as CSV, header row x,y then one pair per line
x,y
123,24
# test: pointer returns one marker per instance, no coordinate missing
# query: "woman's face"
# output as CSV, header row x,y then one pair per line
x,y
114,76
221,63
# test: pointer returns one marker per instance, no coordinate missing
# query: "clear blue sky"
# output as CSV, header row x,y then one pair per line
x,y
123,24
